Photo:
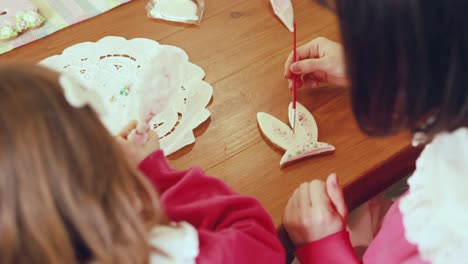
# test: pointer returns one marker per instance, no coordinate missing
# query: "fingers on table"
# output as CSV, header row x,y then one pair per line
x,y
318,194
128,128
336,195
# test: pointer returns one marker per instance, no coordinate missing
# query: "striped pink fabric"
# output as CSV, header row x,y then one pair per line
x,y
61,14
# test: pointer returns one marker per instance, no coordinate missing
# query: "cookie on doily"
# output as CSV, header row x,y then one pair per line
x,y
17,16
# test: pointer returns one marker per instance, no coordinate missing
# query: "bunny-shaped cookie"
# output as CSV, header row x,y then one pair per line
x,y
299,144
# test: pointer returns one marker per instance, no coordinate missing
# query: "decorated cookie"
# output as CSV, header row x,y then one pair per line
x,y
17,16
301,143
186,11
284,10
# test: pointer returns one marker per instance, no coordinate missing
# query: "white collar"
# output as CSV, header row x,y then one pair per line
x,y
435,212
178,243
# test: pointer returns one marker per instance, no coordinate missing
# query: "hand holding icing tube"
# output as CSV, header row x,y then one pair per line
x,y
157,86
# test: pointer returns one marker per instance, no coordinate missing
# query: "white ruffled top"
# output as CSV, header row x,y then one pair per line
x,y
435,212
178,242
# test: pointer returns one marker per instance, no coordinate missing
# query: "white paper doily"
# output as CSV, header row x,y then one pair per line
x,y
111,67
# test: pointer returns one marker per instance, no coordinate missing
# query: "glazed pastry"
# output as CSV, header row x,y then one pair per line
x,y
17,16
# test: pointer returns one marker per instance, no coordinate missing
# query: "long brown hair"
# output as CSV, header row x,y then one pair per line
x,y
408,63
67,193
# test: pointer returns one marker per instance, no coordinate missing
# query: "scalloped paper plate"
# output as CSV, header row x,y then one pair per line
x,y
112,67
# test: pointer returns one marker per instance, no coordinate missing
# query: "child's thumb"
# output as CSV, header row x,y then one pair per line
x,y
335,193
306,66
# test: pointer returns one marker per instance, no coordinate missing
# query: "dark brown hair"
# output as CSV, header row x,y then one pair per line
x,y
407,61
67,193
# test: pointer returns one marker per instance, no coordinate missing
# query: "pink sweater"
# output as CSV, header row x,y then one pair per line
x,y
388,247
431,215
232,228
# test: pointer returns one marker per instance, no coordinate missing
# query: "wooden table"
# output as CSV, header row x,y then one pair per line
x,y
242,46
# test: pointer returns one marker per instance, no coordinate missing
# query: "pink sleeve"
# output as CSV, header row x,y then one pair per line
x,y
334,249
231,228
390,245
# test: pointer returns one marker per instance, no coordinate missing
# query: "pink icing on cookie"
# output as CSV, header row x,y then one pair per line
x,y
9,9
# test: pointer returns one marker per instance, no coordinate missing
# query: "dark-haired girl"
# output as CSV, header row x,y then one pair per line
x,y
406,63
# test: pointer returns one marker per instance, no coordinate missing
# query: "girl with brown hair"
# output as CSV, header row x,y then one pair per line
x,y
406,63
70,194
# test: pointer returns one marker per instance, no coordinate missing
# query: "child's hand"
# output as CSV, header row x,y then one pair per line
x,y
315,211
320,60
137,153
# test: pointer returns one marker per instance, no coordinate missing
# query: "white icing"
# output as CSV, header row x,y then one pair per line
x,y
175,9
7,32
277,132
12,8
301,143
159,84
32,17
284,10
308,150
18,16
306,126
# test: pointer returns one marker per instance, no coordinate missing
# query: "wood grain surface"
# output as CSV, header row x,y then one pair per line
x,y
242,47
